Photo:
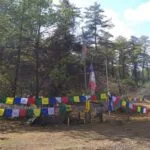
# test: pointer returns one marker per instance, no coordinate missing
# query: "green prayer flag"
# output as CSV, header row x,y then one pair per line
x,y
62,109
139,109
2,99
71,99
30,112
38,101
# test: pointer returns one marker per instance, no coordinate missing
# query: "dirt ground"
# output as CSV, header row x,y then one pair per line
x,y
113,134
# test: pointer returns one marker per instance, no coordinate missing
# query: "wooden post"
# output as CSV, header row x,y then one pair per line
x,y
84,117
68,121
101,117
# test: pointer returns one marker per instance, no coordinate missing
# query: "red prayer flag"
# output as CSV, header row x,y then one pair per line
x,y
31,101
22,112
93,97
64,100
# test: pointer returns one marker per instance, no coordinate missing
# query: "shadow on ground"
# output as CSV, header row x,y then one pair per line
x,y
115,130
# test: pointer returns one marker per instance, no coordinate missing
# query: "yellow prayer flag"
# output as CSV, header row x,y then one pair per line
x,y
68,108
87,106
45,101
1,112
9,100
103,96
124,103
139,109
76,99
37,112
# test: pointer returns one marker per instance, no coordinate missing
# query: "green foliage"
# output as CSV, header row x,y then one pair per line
x,y
50,49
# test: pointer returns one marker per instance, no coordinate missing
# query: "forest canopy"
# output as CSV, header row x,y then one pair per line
x,y
41,49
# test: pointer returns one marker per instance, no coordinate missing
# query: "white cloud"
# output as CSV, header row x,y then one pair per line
x,y
120,28
140,14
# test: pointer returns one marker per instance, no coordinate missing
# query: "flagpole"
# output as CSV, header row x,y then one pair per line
x,y
84,65
106,74
85,79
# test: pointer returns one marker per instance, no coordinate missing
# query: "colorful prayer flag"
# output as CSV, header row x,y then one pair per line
x,y
24,101
15,113
17,100
58,99
64,100
76,99
138,109
87,106
37,112
92,80
123,103
1,112
44,112
22,113
9,100
82,98
45,101
51,111
8,112
103,96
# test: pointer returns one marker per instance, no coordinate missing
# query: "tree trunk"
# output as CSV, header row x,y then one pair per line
x,y
143,67
135,65
148,71
37,47
112,68
16,78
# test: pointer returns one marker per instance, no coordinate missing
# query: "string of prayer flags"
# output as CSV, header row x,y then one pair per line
x,y
53,100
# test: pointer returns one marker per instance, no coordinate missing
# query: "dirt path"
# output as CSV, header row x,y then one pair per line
x,y
106,136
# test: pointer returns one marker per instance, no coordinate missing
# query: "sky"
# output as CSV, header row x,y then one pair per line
x,y
130,17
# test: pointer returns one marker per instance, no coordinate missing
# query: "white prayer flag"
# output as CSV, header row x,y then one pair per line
x,y
24,100
58,99
51,111
15,113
